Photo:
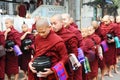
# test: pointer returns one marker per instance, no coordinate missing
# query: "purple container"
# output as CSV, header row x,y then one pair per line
x,y
104,46
17,50
81,56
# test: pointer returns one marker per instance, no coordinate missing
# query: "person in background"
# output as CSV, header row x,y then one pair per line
x,y
11,34
110,55
2,59
71,42
68,24
27,49
21,10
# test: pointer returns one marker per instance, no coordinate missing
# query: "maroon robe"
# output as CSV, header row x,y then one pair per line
x,y
118,34
22,10
76,32
71,42
88,44
34,26
26,56
12,60
53,47
2,59
110,55
74,25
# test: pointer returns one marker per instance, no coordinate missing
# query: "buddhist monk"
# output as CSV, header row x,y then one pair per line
x,y
49,44
95,41
118,23
69,25
109,28
101,62
11,67
112,19
21,10
27,49
70,40
96,26
2,59
34,25
118,32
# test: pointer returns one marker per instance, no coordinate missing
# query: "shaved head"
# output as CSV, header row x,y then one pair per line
x,y
118,19
95,24
56,22
106,19
66,19
66,15
9,22
57,17
43,27
42,23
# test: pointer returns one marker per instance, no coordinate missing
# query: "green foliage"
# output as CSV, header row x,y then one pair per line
x,y
116,3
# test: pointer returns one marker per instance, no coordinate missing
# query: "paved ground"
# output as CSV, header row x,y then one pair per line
x,y
116,76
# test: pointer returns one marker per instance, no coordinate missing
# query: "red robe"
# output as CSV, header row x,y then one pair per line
x,y
76,32
26,56
53,47
2,59
74,24
12,60
87,45
118,34
110,55
34,26
22,10
71,42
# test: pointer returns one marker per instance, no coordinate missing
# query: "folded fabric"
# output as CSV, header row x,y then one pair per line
x,y
81,56
86,66
60,71
117,42
104,46
91,55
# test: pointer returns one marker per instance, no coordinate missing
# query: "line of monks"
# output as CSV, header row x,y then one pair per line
x,y
57,38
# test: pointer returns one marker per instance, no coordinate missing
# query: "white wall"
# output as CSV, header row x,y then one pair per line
x,y
87,14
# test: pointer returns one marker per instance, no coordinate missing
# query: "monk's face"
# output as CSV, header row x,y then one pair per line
x,y
56,25
43,31
118,19
84,32
91,30
8,24
24,28
66,20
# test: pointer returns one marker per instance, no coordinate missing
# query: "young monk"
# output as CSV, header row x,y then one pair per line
x,y
118,49
71,42
118,23
26,49
101,62
2,59
67,24
11,67
95,41
109,56
49,44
